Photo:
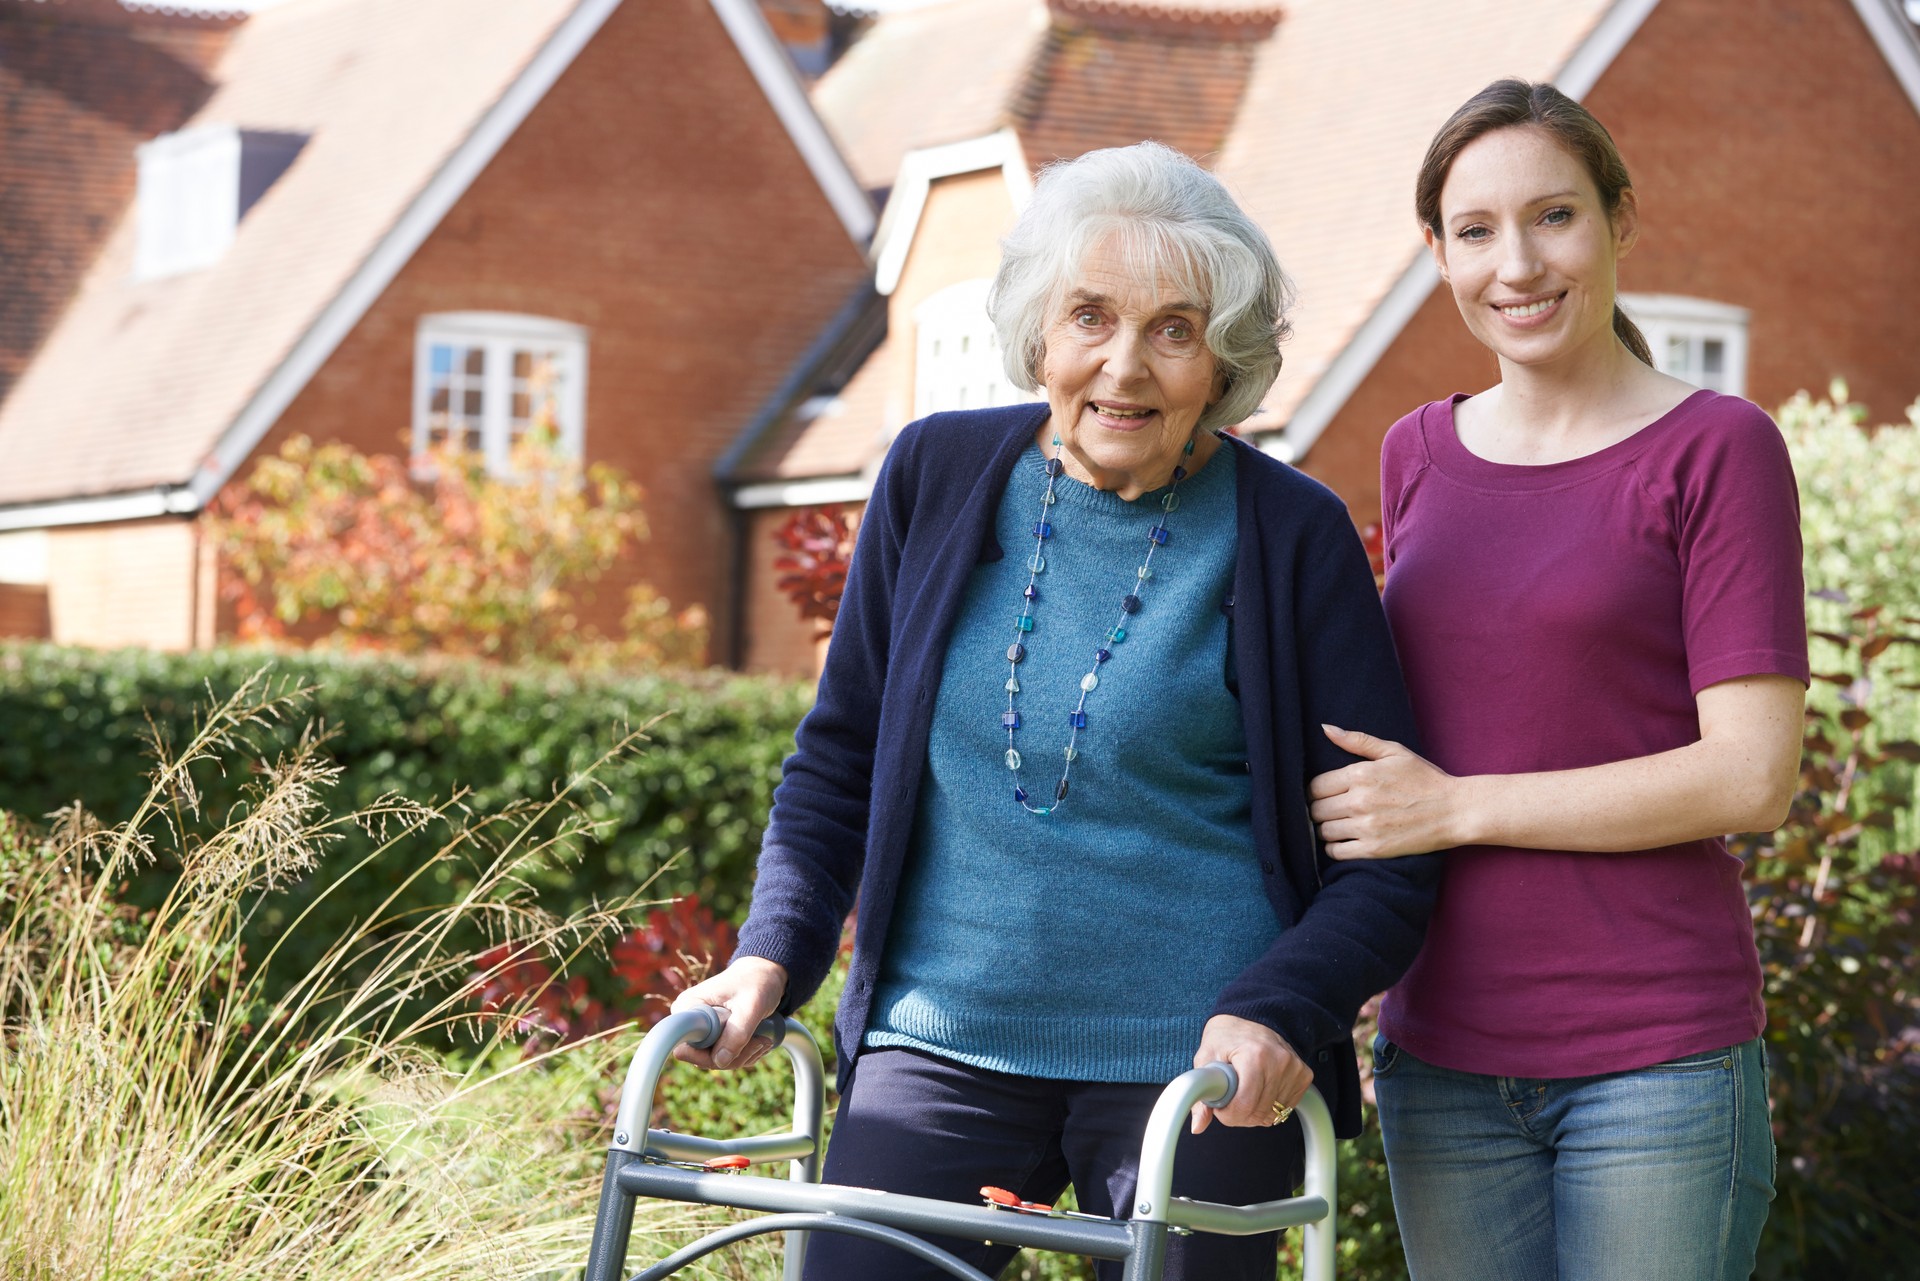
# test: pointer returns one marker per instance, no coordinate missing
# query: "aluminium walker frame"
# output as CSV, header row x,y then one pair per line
x,y
681,1167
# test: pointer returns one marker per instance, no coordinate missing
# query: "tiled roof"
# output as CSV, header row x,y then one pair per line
x,y
1320,136
832,422
137,380
1183,79
80,86
940,73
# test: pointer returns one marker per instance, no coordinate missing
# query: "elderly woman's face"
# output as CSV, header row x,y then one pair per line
x,y
1127,373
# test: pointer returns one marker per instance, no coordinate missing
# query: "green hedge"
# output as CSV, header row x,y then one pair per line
x,y
78,723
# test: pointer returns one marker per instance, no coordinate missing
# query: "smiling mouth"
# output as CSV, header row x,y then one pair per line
x,y
1124,415
1524,311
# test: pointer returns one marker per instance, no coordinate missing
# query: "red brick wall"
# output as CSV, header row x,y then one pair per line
x,y
132,583
1775,159
23,611
655,198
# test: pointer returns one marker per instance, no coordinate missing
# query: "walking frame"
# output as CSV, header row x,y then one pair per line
x,y
661,1164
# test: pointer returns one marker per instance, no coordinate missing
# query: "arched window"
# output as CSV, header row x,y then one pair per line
x,y
1703,342
483,379
956,357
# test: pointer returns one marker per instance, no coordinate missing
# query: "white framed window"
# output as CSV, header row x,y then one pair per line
x,y
1692,338
483,379
956,355
194,186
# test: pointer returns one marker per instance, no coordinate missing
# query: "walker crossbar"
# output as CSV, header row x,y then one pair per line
x,y
811,1223
801,1204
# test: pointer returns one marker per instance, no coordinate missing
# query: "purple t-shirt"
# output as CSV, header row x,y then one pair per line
x,y
1557,616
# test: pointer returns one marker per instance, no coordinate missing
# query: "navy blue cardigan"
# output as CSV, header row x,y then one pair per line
x,y
1310,644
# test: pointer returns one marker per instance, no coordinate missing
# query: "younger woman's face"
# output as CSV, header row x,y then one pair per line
x,y
1528,248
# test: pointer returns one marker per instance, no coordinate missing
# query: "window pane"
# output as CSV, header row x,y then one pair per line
x,y
476,362
470,404
1678,362
440,360
439,402
522,406
522,363
1713,357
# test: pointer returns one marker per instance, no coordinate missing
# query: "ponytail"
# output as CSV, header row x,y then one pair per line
x,y
1629,333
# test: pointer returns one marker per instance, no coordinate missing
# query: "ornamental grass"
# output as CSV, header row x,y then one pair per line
x,y
162,1117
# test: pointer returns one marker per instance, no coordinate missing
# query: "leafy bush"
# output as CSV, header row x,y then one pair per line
x,y
1836,891
359,547
683,816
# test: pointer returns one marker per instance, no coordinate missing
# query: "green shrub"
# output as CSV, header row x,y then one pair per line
x,y
1836,891
681,816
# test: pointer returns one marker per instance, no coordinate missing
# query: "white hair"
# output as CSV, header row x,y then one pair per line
x,y
1172,221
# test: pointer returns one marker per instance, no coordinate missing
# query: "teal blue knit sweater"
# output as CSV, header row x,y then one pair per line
x,y
1093,942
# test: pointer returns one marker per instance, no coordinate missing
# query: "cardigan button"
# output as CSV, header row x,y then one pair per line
x,y
1266,865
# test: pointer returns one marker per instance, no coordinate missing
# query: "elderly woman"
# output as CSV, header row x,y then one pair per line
x,y
1061,747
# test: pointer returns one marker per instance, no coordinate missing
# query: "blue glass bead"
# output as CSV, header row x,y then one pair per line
x,y
1060,792
1041,529
1077,719
1089,682
1180,473
1013,686
1184,452
1158,534
1117,635
1013,759
1020,794
1130,603
1170,503
1038,563
1031,593
1024,622
1073,755
1053,466
1016,652
1010,720
1050,498
1145,573
1102,655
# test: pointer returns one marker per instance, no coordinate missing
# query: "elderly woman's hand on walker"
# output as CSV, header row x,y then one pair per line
x,y
1273,1080
747,991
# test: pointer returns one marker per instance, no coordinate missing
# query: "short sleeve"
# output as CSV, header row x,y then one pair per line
x,y
1743,600
1402,455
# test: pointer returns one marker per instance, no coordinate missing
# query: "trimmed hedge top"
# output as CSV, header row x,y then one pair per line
x,y
76,726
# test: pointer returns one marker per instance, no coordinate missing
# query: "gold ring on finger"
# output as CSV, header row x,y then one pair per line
x,y
1281,1112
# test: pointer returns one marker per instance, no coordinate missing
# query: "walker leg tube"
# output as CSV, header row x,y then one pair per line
x,y
1322,1169
612,1224
809,1113
1147,1260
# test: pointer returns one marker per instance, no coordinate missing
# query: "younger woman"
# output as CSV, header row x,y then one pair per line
x,y
1594,584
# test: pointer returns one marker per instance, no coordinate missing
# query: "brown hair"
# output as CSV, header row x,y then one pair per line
x,y
1503,105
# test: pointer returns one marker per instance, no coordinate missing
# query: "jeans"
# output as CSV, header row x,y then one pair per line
x,y
922,1125
1659,1174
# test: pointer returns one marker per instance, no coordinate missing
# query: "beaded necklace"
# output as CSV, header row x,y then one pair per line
x,y
1023,627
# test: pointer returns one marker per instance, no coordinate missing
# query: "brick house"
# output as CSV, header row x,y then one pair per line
x,y
365,221
1769,141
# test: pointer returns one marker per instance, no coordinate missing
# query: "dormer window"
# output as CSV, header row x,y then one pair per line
x,y
195,186
956,353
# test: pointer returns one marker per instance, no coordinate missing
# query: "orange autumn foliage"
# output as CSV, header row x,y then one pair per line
x,y
438,554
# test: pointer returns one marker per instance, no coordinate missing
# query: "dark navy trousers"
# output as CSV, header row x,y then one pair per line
x,y
921,1125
